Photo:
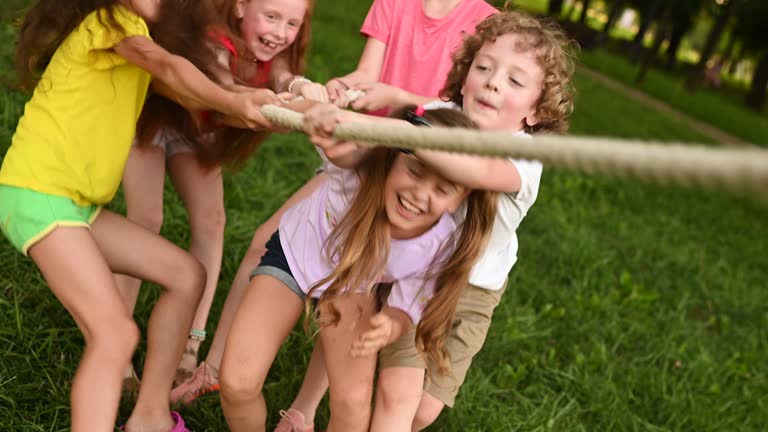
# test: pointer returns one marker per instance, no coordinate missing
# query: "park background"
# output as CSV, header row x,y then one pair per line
x,y
633,306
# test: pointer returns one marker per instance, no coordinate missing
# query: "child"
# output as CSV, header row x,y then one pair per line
x,y
512,75
267,47
390,27
387,221
65,163
407,54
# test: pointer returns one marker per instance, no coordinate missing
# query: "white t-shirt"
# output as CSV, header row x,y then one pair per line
x,y
500,254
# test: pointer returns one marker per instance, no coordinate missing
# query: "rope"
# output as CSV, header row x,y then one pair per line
x,y
736,170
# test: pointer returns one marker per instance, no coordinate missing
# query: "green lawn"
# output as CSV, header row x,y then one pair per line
x,y
633,307
706,105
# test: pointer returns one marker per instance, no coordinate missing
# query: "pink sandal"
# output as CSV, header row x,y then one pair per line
x,y
178,423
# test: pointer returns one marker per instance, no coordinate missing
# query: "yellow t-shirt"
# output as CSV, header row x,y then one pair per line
x,y
74,137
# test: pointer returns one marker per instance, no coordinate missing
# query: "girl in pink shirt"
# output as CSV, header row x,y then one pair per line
x,y
388,220
407,55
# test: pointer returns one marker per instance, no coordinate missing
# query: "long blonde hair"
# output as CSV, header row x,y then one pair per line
x,y
359,244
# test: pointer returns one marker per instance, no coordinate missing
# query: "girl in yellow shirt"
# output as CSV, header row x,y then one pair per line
x,y
65,162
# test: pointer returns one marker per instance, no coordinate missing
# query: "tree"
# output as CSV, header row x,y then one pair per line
x,y
555,8
658,39
681,23
584,8
756,96
752,20
616,8
651,11
726,11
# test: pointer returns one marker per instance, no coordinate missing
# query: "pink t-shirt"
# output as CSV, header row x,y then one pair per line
x,y
305,227
418,55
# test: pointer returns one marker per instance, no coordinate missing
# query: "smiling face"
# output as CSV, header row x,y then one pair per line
x,y
270,26
503,85
415,197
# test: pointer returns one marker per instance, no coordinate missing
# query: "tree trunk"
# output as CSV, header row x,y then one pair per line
x,y
694,79
675,38
756,96
584,9
645,22
729,50
735,59
569,12
658,39
616,9
555,8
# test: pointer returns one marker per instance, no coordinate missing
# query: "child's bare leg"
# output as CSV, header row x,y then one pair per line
x,y
143,189
81,279
314,386
130,249
267,314
398,394
429,409
143,181
249,262
350,378
202,190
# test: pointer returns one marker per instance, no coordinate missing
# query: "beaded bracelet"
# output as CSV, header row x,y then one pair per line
x,y
297,79
197,334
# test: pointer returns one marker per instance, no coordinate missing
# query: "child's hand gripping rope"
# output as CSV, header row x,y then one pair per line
x,y
246,107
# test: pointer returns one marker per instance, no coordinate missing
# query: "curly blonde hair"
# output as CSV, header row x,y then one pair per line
x,y
553,51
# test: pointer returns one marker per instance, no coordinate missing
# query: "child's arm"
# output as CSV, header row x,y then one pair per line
x,y
475,172
283,80
181,81
320,122
386,327
368,70
365,77
379,95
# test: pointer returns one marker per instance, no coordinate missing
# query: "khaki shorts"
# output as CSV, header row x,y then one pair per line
x,y
470,327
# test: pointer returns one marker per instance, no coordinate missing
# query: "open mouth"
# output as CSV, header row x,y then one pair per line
x,y
268,44
408,206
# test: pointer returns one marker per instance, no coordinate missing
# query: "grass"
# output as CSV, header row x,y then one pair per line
x,y
633,307
706,105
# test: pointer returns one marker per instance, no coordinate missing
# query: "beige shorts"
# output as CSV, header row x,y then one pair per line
x,y
470,327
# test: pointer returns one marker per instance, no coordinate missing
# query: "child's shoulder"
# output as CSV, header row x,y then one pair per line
x,y
101,21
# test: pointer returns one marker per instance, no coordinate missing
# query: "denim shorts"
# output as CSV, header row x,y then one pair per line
x,y
274,264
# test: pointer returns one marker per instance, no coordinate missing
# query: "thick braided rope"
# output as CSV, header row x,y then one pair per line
x,y
736,170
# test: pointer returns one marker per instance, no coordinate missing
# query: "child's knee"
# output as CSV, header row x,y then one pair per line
x,y
394,394
190,278
116,338
352,402
209,222
239,384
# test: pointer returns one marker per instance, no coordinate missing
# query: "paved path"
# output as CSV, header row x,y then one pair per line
x,y
705,128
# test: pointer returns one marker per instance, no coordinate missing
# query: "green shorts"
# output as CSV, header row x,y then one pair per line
x,y
26,216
